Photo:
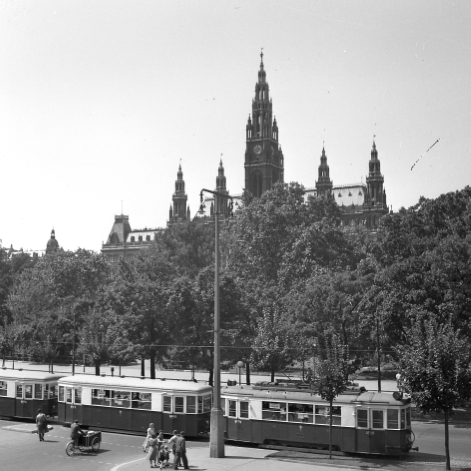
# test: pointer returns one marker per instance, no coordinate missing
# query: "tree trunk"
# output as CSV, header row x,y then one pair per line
x,y
247,373
330,430
97,367
447,442
272,376
152,365
211,376
143,367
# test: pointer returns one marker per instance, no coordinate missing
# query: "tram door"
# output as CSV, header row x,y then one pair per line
x,y
24,400
371,434
238,423
73,404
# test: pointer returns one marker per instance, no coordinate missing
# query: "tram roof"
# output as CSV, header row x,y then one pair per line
x,y
28,375
129,382
349,397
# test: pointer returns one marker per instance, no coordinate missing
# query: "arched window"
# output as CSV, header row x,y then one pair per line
x,y
140,238
148,238
133,239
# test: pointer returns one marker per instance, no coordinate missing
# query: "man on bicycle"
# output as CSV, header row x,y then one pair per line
x,y
76,432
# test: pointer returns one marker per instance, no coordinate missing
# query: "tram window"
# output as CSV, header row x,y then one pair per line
x,y
19,391
273,410
53,391
362,418
393,418
167,404
244,410
100,397
232,408
68,394
408,417
323,415
207,403
141,401
3,388
28,391
46,391
403,418
61,393
378,419
179,404
78,396
300,413
120,398
200,404
38,391
191,404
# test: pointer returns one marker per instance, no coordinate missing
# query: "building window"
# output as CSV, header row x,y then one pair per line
x,y
148,238
132,239
140,238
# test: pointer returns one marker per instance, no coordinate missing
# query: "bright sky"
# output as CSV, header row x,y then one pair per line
x,y
100,100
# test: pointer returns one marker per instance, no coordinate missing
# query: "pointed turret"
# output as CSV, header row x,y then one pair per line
x,y
179,199
221,188
324,183
375,201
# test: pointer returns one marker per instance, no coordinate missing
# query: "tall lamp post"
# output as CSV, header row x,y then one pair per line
x,y
216,436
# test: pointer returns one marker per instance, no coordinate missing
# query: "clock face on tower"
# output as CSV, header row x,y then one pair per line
x,y
257,149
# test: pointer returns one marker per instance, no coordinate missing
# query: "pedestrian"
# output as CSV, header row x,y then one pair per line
x,y
149,433
171,446
152,453
160,440
41,424
180,451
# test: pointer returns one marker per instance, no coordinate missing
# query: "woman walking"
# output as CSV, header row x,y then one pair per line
x,y
152,453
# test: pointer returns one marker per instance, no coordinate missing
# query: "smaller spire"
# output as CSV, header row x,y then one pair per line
x,y
261,59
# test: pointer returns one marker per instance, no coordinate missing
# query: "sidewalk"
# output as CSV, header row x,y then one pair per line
x,y
242,459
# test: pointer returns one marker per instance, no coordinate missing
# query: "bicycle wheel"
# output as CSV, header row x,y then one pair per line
x,y
95,444
70,449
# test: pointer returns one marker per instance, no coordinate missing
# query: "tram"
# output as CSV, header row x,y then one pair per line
x,y
131,404
282,414
23,393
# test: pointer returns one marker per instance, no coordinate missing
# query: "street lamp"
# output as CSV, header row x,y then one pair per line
x,y
216,434
240,364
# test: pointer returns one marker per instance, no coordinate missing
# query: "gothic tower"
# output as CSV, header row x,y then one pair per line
x,y
263,155
179,211
221,188
324,183
375,199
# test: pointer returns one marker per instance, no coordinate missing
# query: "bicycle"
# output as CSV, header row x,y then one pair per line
x,y
86,442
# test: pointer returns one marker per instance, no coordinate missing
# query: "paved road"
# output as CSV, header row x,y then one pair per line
x,y
20,451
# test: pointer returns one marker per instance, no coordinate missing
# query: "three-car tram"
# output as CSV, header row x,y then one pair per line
x,y
363,422
23,393
130,404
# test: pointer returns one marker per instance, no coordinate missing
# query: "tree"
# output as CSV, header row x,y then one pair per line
x,y
331,373
271,347
434,363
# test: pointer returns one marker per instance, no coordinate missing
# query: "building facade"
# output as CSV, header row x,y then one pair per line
x,y
361,203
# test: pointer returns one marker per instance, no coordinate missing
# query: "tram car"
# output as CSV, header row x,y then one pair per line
x,y
131,404
23,393
277,414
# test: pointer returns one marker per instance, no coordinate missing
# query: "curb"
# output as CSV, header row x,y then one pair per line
x,y
330,465
14,428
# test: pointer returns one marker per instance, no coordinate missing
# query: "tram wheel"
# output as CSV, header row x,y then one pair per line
x,y
70,449
95,444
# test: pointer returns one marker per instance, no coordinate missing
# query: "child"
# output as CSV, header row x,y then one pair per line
x,y
164,456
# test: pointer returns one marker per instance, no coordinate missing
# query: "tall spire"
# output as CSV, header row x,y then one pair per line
x,y
179,198
323,184
264,162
